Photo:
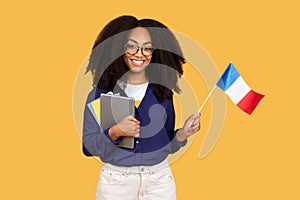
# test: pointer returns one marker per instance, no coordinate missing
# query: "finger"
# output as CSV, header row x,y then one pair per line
x,y
191,127
196,128
192,122
131,133
131,117
136,128
197,121
136,135
196,115
136,122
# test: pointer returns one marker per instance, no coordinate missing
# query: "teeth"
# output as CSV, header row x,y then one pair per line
x,y
138,62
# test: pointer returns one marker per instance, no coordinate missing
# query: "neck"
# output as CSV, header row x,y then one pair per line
x,y
134,78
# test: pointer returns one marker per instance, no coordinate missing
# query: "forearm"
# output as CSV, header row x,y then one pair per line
x,y
177,142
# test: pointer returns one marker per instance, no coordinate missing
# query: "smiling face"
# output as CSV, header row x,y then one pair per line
x,y
138,50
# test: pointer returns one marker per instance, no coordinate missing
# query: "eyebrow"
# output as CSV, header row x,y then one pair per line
x,y
137,42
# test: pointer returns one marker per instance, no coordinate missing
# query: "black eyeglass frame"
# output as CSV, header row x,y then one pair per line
x,y
137,48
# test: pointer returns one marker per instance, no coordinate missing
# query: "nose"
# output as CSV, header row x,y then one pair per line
x,y
139,53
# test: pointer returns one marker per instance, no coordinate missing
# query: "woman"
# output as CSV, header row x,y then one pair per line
x,y
143,60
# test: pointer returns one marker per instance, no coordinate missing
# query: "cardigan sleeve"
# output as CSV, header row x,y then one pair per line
x,y
95,141
175,145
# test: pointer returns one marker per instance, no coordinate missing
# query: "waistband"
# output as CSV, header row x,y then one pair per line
x,y
138,169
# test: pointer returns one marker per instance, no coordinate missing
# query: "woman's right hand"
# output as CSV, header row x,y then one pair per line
x,y
129,126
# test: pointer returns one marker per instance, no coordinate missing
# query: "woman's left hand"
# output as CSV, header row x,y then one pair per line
x,y
190,127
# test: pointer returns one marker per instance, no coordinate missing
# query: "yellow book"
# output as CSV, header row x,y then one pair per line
x,y
94,107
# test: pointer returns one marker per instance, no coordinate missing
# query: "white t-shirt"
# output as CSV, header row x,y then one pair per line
x,y
136,91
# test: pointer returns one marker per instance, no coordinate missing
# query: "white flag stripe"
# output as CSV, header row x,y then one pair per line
x,y
238,90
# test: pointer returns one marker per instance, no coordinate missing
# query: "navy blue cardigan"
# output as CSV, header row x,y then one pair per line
x,y
157,136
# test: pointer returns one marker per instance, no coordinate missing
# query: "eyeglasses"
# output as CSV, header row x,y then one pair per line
x,y
133,49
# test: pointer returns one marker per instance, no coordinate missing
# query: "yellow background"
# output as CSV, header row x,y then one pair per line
x,y
43,44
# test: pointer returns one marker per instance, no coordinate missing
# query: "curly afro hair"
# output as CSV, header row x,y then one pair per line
x,y
107,64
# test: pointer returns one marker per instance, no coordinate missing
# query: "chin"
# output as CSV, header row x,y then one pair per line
x,y
137,69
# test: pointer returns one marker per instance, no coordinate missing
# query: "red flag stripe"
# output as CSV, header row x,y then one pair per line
x,y
250,101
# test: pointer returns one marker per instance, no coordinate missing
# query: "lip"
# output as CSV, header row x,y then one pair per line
x,y
137,62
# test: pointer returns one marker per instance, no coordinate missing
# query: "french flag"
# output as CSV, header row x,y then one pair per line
x,y
238,91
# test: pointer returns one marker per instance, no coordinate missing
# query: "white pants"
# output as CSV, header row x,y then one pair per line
x,y
136,183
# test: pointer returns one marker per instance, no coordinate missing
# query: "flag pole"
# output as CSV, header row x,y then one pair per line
x,y
204,102
212,90
210,93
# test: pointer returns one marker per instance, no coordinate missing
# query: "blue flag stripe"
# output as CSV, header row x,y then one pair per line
x,y
228,77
